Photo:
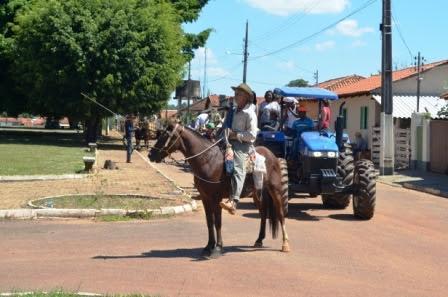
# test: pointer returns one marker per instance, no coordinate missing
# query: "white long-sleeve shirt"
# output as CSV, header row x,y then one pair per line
x,y
245,124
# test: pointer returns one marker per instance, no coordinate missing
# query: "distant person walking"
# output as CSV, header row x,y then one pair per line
x,y
129,129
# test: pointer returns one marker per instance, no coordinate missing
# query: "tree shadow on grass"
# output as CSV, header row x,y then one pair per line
x,y
193,253
41,138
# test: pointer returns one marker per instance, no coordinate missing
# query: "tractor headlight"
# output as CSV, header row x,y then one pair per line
x,y
323,154
332,154
316,154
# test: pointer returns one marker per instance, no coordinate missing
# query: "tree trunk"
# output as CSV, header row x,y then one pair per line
x,y
91,129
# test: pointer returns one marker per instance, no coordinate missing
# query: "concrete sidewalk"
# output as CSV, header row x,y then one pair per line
x,y
431,183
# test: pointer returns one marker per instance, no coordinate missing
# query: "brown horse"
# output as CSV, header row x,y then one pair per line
x,y
207,164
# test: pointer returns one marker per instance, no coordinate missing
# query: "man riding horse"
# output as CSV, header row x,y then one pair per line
x,y
242,134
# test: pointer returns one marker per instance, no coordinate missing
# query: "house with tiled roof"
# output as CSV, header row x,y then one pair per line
x,y
333,85
340,82
363,98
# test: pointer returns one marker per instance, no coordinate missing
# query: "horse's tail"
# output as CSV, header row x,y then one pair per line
x,y
268,202
284,183
271,212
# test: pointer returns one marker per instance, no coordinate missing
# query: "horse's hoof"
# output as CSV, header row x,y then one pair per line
x,y
216,252
285,248
206,253
258,244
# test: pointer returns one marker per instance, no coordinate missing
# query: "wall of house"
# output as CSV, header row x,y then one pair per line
x,y
353,106
434,83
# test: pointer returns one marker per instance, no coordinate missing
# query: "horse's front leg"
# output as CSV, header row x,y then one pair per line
x,y
207,251
218,249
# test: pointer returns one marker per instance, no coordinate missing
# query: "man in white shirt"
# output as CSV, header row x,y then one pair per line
x,y
201,121
242,137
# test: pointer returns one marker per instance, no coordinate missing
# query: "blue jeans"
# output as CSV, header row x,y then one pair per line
x,y
128,149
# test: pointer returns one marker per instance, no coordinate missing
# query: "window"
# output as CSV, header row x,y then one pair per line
x,y
344,114
364,117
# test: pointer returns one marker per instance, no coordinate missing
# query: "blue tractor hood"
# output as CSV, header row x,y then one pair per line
x,y
319,141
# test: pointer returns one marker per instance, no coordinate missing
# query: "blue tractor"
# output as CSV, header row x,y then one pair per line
x,y
320,162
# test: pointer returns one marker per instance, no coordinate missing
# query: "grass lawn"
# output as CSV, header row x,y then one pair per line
x,y
105,201
40,153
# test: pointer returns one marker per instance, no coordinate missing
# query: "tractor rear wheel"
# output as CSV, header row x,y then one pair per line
x,y
364,196
345,171
285,184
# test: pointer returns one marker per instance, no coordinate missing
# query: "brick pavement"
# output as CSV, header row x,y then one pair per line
x,y
136,178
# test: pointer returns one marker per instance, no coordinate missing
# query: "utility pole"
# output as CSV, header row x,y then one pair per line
x,y
419,64
246,54
387,132
204,87
188,91
316,77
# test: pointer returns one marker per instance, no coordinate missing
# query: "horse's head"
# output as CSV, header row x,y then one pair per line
x,y
167,143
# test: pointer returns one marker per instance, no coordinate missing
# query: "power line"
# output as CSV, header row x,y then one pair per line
x,y
280,57
365,5
234,68
402,37
288,23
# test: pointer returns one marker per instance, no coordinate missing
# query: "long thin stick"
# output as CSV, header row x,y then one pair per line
x,y
96,102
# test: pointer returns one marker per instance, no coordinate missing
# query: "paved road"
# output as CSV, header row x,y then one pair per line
x,y
402,251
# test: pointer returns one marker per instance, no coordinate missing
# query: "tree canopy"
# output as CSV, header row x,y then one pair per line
x,y
128,55
298,83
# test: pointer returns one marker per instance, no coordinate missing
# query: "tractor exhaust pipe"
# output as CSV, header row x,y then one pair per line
x,y
340,127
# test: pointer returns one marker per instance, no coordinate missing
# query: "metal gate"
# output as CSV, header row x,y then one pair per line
x,y
402,147
439,146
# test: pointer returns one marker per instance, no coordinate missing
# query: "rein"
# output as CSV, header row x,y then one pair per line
x,y
166,150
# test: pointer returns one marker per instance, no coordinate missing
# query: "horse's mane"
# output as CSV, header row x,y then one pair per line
x,y
199,135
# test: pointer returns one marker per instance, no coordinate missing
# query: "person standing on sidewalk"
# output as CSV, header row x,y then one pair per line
x,y
242,137
128,129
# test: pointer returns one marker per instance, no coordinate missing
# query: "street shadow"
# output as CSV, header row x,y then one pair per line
x,y
344,217
295,211
194,253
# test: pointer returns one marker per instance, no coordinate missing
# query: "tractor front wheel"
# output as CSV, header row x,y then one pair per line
x,y
364,196
345,171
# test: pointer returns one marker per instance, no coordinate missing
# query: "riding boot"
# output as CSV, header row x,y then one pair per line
x,y
229,205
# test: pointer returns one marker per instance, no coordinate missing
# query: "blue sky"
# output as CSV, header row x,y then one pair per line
x,y
351,47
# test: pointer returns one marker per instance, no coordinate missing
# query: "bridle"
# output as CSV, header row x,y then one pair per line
x,y
171,134
167,150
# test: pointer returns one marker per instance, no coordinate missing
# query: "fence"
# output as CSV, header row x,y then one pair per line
x,y
402,147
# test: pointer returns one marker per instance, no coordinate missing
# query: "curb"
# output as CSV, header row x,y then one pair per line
x,y
9,294
19,178
428,190
389,183
24,213
410,186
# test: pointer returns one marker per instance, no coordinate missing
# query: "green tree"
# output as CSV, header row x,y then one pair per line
x,y
298,83
128,55
10,99
443,113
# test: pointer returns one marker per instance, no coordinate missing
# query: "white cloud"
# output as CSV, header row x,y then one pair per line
x,y
326,45
288,7
199,56
213,68
217,71
359,43
287,65
351,28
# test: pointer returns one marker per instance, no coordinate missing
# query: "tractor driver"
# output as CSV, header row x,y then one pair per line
x,y
302,124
